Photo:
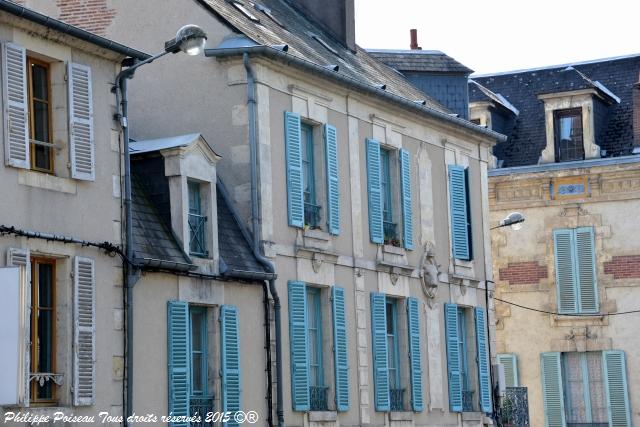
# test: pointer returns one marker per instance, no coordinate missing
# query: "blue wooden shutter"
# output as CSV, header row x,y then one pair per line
x,y
298,341
484,379
510,363
374,190
563,241
340,349
615,376
293,147
413,325
552,390
179,359
453,357
379,347
333,184
230,364
586,270
459,212
407,219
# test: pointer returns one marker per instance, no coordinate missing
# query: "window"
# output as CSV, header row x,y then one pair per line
x,y
576,282
585,389
568,135
43,327
389,176
201,400
393,356
311,208
197,227
309,391
305,172
460,213
467,359
40,134
317,389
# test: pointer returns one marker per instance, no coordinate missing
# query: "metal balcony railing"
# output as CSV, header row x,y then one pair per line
x,y
201,405
468,402
197,242
311,215
318,398
396,396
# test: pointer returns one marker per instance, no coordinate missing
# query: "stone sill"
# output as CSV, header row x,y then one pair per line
x,y
472,416
317,234
396,250
323,416
400,416
47,182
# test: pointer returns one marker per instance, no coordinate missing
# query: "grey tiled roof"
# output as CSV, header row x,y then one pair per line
x,y
430,61
297,34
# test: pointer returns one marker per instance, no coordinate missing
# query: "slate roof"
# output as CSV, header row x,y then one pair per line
x,y
297,31
612,78
485,94
430,61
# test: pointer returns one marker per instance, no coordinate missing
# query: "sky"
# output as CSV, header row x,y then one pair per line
x,y
503,35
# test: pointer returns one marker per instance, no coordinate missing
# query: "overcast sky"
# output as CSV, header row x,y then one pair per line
x,y
503,35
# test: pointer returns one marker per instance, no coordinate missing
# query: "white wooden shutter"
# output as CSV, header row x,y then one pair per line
x,y
16,119
82,147
12,354
84,343
22,258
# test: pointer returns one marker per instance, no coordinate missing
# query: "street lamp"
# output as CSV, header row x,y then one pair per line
x,y
189,39
514,219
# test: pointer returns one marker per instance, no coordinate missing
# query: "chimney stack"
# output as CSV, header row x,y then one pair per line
x,y
414,39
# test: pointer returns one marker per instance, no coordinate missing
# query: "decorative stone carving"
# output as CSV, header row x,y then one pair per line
x,y
393,275
580,336
43,377
316,262
429,274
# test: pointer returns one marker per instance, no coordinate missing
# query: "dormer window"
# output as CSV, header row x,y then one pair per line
x,y
197,228
568,130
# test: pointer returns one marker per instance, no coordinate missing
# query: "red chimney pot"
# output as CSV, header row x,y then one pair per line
x,y
414,39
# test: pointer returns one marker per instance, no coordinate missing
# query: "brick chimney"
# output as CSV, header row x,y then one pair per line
x,y
636,114
414,39
335,16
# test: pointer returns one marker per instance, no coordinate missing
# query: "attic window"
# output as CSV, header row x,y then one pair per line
x,y
243,9
323,43
267,11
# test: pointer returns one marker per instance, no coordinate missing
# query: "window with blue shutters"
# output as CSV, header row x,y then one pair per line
x,y
340,349
201,398
305,173
393,356
317,388
413,323
407,218
459,213
483,360
178,344
379,348
576,280
455,350
231,384
388,224
298,344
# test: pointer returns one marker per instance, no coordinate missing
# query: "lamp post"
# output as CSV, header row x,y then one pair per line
x,y
189,39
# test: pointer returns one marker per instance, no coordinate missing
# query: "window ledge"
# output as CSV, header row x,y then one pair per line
x,y
400,416
472,416
316,234
323,416
390,249
46,181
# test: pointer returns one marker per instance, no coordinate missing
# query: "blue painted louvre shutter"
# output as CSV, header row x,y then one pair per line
x,y
298,344
615,376
230,353
374,190
453,357
407,219
563,241
459,212
340,349
333,184
293,148
510,364
484,379
179,359
379,347
552,390
586,270
413,320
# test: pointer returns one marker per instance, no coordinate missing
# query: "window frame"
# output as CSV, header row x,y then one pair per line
x,y
204,352
575,112
585,381
314,296
198,213
30,61
309,175
393,351
463,348
389,181
35,309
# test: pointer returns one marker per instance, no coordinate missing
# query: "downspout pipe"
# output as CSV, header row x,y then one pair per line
x,y
268,265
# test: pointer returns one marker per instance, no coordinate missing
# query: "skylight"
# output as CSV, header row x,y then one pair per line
x,y
267,12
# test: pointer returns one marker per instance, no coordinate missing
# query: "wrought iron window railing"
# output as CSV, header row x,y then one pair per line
x,y
201,405
390,234
318,398
311,215
397,401
468,403
197,241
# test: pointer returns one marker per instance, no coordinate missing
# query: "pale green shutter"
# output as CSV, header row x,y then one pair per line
x,y
510,363
586,270
333,184
179,359
379,348
552,390
298,341
484,378
374,191
340,349
230,363
615,376
293,148
413,326
565,271
453,357
407,218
